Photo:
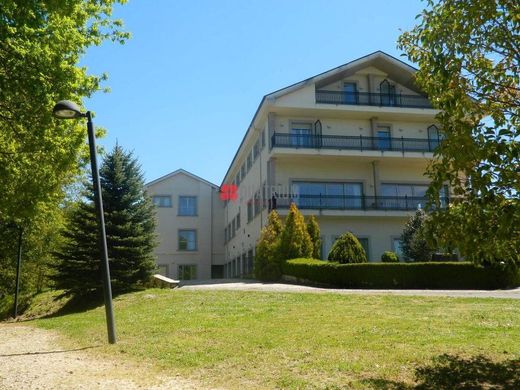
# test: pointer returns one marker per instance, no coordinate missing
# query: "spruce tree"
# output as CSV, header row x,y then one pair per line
x,y
130,228
295,240
314,232
414,244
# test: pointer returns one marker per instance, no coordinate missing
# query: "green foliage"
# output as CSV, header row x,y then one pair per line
x,y
347,249
468,55
41,44
314,233
457,275
39,239
389,257
414,243
295,239
267,259
130,224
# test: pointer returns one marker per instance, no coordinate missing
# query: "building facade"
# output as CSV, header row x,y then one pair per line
x,y
190,217
350,146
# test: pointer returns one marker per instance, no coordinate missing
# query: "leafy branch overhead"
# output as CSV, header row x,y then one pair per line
x,y
468,52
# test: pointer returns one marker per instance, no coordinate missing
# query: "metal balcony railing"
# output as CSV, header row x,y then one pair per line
x,y
343,142
346,202
372,99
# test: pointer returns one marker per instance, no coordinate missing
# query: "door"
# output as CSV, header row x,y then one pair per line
x,y
301,134
388,95
383,140
349,93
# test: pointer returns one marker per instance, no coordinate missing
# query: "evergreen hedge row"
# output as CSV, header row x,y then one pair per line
x,y
447,275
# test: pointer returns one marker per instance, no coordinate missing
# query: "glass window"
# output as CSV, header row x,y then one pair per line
x,y
364,243
187,272
237,179
301,134
350,93
162,200
243,171
187,205
162,269
249,210
187,240
256,149
238,219
233,228
249,161
383,138
396,247
263,138
328,195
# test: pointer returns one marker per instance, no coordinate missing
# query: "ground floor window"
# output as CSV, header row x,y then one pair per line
x,y
396,247
187,272
162,269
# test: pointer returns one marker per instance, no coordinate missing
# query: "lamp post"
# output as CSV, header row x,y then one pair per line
x,y
65,109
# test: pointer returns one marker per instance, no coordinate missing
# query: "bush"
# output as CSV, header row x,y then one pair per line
x,y
389,257
314,233
267,259
347,249
414,244
459,275
295,240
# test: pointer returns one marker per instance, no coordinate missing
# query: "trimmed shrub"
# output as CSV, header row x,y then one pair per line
x,y
459,275
314,233
347,249
389,257
295,240
267,265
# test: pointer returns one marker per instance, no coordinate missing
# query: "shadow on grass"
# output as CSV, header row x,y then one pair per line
x,y
453,372
48,352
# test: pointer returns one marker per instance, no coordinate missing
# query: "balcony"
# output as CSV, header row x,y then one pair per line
x,y
345,202
361,143
372,99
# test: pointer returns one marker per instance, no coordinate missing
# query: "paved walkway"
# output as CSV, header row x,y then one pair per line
x,y
253,285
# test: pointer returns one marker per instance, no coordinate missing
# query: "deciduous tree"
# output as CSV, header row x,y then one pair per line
x,y
468,52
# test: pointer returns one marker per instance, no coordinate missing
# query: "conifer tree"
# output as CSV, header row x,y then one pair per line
x,y
347,249
314,232
295,239
130,225
414,243
267,259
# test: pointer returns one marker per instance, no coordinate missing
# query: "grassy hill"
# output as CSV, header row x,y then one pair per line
x,y
300,340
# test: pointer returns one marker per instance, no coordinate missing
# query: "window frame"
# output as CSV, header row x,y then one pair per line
x,y
179,231
162,197
180,202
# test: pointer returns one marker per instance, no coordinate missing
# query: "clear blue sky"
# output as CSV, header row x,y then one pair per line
x,y
186,86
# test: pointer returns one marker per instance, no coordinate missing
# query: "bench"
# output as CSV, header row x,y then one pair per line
x,y
163,281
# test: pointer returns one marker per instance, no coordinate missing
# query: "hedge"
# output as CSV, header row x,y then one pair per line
x,y
447,275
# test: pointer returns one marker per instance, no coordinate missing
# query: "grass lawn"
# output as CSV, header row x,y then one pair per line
x,y
302,340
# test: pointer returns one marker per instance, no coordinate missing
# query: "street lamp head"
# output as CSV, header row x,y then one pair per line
x,y
65,109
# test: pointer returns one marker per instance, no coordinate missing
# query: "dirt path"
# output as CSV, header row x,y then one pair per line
x,y
32,358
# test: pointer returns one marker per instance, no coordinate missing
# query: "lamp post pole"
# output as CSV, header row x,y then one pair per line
x,y
65,109
98,200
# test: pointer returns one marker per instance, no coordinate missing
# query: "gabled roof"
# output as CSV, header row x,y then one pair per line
x,y
183,172
401,72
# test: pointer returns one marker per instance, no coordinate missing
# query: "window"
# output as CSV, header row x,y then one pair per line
x,y
187,272
388,95
250,210
349,93
257,204
162,269
225,235
434,137
187,205
339,196
256,149
237,179
243,171
249,161
301,134
402,196
263,138
238,219
364,243
396,247
233,228
162,200
187,240
383,138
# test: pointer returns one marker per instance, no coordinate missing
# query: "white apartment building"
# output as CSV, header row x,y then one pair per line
x,y
190,217
349,146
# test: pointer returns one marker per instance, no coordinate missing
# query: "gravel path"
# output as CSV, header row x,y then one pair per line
x,y
247,285
32,359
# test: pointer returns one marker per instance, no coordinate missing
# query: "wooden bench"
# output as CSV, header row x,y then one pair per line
x,y
163,281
